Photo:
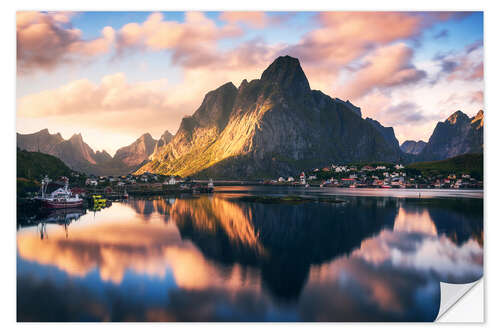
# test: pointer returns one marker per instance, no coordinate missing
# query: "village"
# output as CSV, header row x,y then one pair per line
x,y
378,176
351,176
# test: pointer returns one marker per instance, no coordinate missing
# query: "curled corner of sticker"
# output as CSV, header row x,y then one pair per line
x,y
451,293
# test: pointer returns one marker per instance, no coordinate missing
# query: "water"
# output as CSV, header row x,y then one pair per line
x,y
377,256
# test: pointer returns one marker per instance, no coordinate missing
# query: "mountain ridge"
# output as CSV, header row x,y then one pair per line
x,y
276,124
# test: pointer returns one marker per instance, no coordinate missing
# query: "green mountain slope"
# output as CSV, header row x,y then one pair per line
x,y
467,164
32,166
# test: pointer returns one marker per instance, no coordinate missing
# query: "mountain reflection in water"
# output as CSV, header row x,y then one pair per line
x,y
218,258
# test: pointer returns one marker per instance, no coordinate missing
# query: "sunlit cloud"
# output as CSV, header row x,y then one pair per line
x,y
253,19
47,40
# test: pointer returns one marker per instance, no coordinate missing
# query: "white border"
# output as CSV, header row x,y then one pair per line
x,y
7,192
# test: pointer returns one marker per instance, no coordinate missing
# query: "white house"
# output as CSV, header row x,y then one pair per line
x,y
171,181
290,179
281,179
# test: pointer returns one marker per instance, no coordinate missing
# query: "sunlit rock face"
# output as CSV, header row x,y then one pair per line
x,y
270,126
458,135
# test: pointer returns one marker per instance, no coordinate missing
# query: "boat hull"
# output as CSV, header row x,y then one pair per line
x,y
57,205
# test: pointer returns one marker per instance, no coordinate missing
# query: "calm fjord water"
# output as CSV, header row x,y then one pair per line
x,y
218,258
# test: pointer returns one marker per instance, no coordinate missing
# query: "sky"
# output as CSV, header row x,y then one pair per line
x,y
113,76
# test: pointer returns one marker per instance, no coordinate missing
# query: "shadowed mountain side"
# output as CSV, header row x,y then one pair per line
x,y
457,135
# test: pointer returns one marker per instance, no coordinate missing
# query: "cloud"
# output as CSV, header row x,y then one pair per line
x,y
253,19
441,34
46,40
345,36
407,113
189,41
387,66
477,97
465,65
113,93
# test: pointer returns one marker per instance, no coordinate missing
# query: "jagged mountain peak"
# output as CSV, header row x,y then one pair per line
x,y
76,136
478,120
457,116
413,147
215,108
286,72
145,136
458,135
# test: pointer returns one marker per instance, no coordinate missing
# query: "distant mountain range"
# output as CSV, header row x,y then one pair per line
x,y
79,156
413,147
272,126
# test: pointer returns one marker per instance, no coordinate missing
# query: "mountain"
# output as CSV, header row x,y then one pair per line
x,y
471,164
41,141
137,152
413,147
387,133
164,139
32,166
79,156
457,135
74,152
272,126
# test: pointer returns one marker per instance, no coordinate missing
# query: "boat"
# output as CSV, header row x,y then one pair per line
x,y
60,198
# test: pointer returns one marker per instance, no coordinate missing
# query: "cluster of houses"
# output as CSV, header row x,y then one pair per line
x,y
130,179
379,176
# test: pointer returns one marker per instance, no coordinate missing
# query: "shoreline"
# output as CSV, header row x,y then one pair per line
x,y
362,192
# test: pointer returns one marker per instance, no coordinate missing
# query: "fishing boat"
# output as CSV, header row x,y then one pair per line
x,y
60,198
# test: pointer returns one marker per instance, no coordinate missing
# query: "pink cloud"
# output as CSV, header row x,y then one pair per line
x,y
253,19
387,66
345,36
113,93
477,97
46,40
191,41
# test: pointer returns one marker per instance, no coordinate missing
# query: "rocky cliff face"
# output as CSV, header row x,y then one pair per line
x,y
164,139
387,133
458,135
41,141
272,126
79,156
413,147
137,152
